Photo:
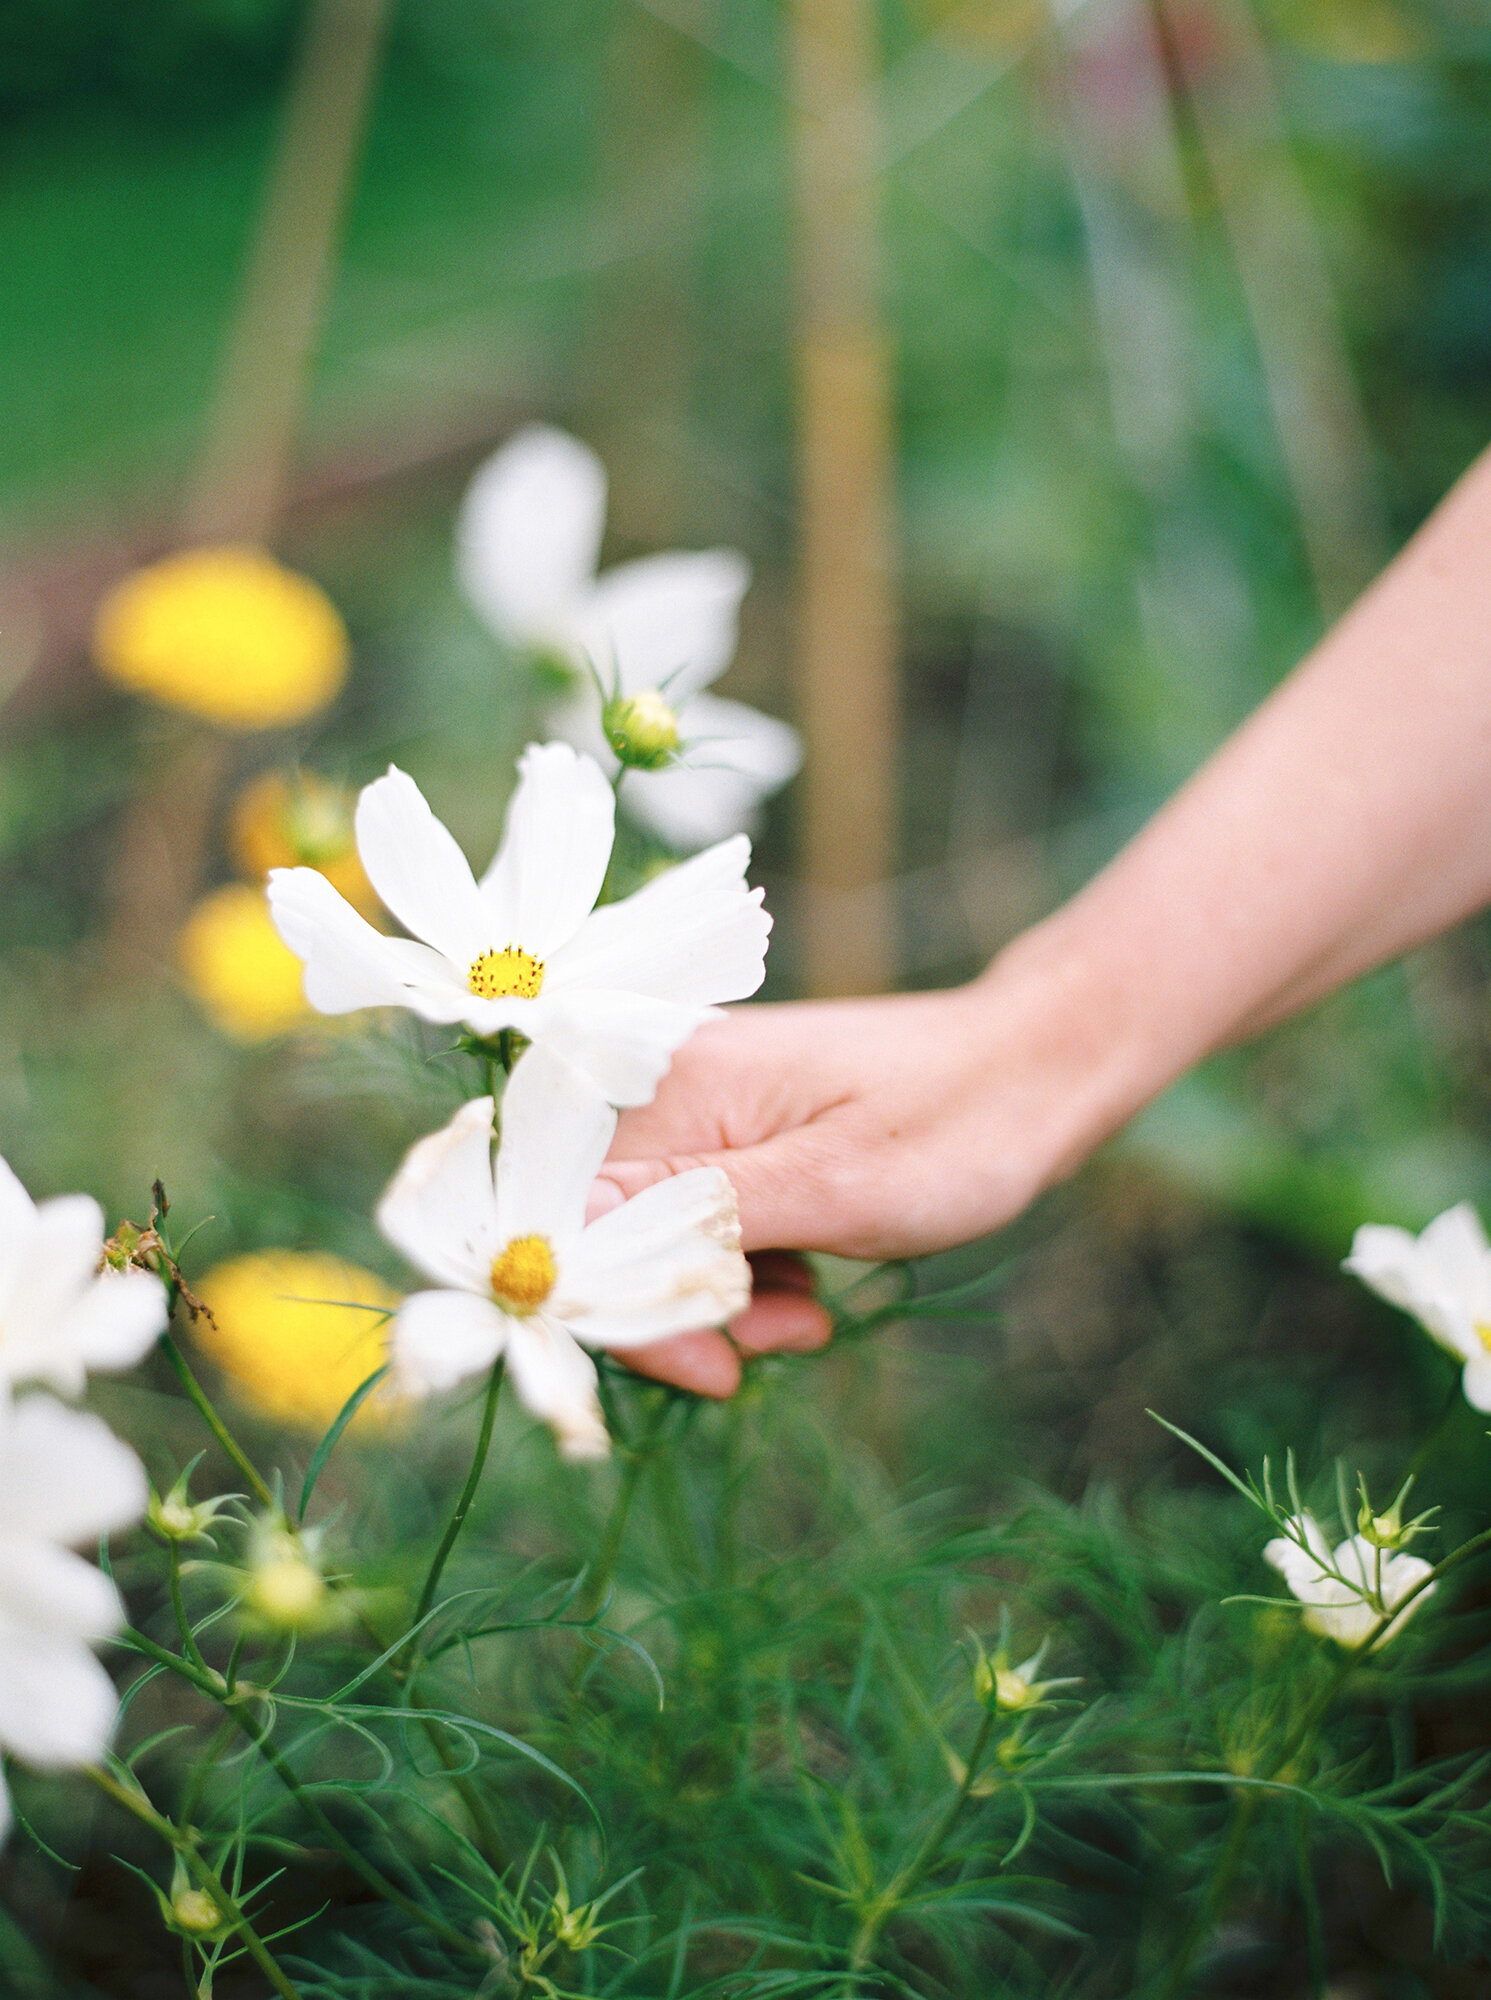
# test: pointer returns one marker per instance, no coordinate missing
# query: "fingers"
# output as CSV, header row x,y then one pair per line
x,y
788,1188
782,1318
703,1362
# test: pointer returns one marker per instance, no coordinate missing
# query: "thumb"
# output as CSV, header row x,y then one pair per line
x,y
785,1188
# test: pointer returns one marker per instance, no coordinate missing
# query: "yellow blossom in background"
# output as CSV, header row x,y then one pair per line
x,y
293,1330
237,966
225,633
292,819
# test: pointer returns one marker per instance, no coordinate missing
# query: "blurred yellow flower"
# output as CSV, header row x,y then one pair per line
x,y
226,633
290,819
293,1330
245,977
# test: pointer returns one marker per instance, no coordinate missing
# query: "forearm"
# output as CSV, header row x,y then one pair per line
x,y
1345,822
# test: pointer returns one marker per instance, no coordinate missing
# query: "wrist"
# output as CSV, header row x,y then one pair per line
x,y
1073,1028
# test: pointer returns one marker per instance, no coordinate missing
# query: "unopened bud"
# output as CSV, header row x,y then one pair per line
x,y
176,1517
194,1911
641,729
285,1587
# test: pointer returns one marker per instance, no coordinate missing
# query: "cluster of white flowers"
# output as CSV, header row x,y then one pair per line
x,y
64,1477
597,998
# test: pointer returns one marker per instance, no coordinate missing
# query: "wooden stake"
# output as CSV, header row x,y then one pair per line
x,y
241,482
847,636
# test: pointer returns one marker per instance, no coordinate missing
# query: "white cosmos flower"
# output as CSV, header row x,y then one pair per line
x,y
64,1478
527,545
60,1315
614,991
1443,1278
1348,1592
522,1275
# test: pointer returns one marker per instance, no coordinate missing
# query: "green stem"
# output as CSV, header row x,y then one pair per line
x,y
613,1534
921,1863
1244,1806
183,1624
206,1875
468,1493
214,1422
213,1688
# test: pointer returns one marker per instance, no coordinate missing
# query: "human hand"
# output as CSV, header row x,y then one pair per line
x,y
869,1128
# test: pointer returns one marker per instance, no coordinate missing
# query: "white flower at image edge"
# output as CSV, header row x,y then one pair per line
x,y
522,1274
612,990
64,1478
60,1315
528,542
1335,1605
1442,1277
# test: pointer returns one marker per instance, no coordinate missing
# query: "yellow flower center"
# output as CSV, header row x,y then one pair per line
x,y
509,974
523,1276
1484,1333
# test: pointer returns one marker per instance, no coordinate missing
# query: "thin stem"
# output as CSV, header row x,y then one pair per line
x,y
182,1843
468,1493
213,1687
637,1459
214,1422
1244,1806
922,1862
183,1623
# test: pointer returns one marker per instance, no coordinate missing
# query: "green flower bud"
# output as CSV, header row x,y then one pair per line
x,y
176,1517
641,729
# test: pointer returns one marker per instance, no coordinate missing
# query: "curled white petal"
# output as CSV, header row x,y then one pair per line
x,y
665,1262
555,1381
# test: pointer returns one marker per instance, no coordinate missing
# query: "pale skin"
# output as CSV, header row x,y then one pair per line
x,y
1348,820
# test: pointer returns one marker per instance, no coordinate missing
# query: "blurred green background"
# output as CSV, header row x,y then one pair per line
x,y
1189,315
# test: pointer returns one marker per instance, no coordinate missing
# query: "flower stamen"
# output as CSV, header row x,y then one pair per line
x,y
523,1276
509,974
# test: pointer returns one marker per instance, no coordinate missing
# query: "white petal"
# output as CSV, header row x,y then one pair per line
x,y
623,1042
118,1318
671,619
1386,1259
556,1129
61,1258
7,1815
1442,1277
555,850
57,1705
17,1214
348,964
1476,1381
416,867
577,721
555,1381
664,1262
439,1338
51,1590
440,1209
733,757
529,534
64,1475
694,934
